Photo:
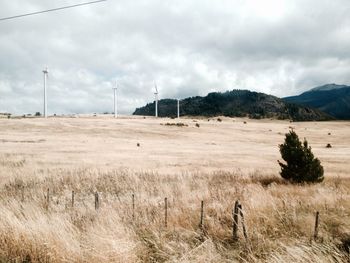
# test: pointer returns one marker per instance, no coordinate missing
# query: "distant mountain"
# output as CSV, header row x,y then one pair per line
x,y
329,87
236,103
332,99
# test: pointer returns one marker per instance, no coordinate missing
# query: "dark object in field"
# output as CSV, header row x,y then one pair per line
x,y
245,122
329,133
138,144
179,124
328,145
197,125
219,120
345,243
28,259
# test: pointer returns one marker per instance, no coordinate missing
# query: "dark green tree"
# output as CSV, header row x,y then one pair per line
x,y
300,164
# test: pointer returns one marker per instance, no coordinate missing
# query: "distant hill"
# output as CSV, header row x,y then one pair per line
x,y
332,99
236,103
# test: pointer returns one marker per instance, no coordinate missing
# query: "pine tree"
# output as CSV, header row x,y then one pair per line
x,y
300,164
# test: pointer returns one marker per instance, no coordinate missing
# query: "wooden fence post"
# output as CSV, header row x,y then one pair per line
x,y
201,224
97,201
166,212
133,206
235,221
243,224
48,198
317,221
22,193
72,199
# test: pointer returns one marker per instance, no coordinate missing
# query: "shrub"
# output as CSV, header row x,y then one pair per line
x,y
197,125
300,164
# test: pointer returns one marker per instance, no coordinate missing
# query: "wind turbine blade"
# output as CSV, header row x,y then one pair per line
x,y
155,86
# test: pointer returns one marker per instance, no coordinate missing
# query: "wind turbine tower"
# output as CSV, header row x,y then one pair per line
x,y
46,73
156,99
178,108
115,100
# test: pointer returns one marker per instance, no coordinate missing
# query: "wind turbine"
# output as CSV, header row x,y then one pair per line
x,y
46,73
115,99
156,99
178,108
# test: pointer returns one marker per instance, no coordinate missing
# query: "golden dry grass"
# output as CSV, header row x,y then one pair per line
x,y
219,162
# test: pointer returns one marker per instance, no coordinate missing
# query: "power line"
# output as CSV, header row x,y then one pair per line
x,y
51,10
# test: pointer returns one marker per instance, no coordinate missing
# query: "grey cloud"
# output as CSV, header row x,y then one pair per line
x,y
190,48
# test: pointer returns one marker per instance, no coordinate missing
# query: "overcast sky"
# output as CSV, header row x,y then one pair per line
x,y
189,47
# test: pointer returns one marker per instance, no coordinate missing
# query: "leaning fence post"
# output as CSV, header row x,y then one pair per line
x,y
202,215
235,221
72,199
317,221
243,224
97,204
166,212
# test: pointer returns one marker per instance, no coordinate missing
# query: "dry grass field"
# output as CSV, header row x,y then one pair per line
x,y
217,162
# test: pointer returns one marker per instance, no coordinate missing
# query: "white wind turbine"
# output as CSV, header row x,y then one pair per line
x,y
115,88
156,99
46,73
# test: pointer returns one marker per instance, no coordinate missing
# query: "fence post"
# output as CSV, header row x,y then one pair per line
x,y
202,215
133,206
235,222
243,224
22,193
166,212
97,202
317,221
72,199
48,198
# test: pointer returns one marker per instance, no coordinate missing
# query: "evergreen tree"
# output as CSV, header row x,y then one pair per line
x,y
300,164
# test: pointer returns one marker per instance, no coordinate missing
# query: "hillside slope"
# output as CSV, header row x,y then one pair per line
x,y
236,103
332,99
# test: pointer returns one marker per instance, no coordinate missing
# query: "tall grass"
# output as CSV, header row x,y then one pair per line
x,y
279,217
